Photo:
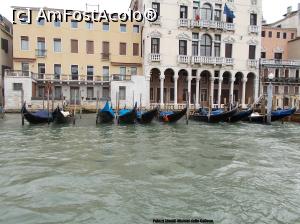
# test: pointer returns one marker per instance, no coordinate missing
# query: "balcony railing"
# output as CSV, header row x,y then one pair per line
x,y
17,73
212,60
279,62
184,59
183,23
40,53
155,57
282,80
254,29
252,63
69,78
211,24
121,77
105,56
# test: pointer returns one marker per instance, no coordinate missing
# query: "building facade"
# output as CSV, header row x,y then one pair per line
x,y
81,61
194,51
5,52
280,56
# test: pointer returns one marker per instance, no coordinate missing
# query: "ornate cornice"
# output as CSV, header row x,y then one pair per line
x,y
229,39
155,34
183,36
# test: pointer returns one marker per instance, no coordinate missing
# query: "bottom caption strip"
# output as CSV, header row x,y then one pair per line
x,y
183,221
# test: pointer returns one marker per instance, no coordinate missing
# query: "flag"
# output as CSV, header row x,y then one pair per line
x,y
228,12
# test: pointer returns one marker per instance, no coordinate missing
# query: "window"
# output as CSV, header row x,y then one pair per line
x,y
196,7
155,45
24,43
41,91
41,70
57,92
123,71
41,22
122,93
89,25
278,35
136,28
151,94
105,26
135,49
286,90
218,12
286,73
276,89
105,73
297,74
105,50
57,45
133,71
156,7
90,47
90,72
57,23
228,50
278,56
217,45
252,51
263,55
195,48
74,46
122,28
270,34
296,90
205,45
182,47
206,12
277,73
263,33
74,72
74,24
17,86
90,93
122,48
183,12
253,19
57,71
105,92
284,35
172,94
41,47
4,45
25,68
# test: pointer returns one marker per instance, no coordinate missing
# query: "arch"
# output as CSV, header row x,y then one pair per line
x,y
206,45
250,88
206,11
155,85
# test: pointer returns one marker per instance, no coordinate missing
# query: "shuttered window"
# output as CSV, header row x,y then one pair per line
x,y
74,46
89,47
228,50
252,50
135,49
122,48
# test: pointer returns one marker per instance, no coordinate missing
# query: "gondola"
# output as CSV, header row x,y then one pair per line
x,y
171,116
240,115
105,115
146,117
2,112
39,117
127,116
62,117
275,116
215,116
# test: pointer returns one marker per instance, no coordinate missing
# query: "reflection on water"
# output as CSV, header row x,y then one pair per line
x,y
240,173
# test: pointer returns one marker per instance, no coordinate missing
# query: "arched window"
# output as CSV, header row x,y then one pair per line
x,y
205,45
206,12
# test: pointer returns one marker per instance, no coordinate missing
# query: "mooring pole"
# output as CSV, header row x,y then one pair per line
x,y
22,102
188,107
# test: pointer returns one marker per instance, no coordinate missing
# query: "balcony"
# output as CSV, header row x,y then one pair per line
x,y
254,29
154,57
252,63
17,73
279,62
282,80
183,23
105,56
211,24
121,77
183,59
40,53
69,78
212,60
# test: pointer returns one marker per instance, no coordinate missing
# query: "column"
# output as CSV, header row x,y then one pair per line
x,y
162,79
231,90
197,90
256,87
175,89
189,87
244,80
220,91
212,84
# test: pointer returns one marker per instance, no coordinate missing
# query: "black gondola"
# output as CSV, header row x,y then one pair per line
x,y
275,116
215,116
147,117
105,115
127,116
240,115
62,117
172,116
39,117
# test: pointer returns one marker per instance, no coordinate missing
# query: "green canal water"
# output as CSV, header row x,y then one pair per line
x,y
230,173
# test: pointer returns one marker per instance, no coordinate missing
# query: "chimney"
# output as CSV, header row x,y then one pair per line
x,y
289,10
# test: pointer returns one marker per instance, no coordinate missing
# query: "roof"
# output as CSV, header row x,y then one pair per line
x,y
286,16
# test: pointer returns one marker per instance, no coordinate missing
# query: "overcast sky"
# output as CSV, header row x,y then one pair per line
x,y
273,9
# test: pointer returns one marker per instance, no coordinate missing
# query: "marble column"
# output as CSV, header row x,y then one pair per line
x,y
189,87
197,90
220,92
175,89
244,81
256,88
231,90
162,79
212,84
